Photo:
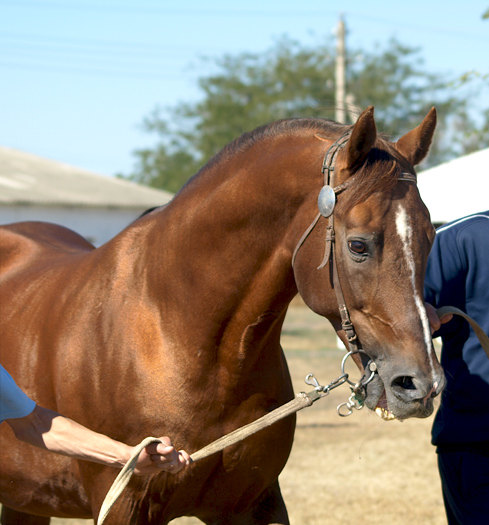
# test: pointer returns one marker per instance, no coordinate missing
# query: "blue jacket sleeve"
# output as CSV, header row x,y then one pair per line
x,y
445,275
14,403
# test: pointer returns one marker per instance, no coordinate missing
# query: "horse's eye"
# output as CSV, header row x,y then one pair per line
x,y
357,247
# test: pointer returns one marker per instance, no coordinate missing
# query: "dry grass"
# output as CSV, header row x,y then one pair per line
x,y
358,469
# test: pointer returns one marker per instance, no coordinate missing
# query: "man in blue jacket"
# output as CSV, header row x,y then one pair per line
x,y
458,275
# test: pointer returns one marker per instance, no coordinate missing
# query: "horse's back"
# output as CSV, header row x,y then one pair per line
x,y
22,243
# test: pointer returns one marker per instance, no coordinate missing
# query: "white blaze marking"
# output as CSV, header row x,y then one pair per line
x,y
405,231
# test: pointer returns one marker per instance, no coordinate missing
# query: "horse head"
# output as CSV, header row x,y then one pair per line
x,y
371,246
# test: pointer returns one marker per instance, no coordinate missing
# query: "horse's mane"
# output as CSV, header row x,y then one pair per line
x,y
366,181
275,129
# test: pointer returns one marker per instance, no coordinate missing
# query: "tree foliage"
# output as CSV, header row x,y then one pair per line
x,y
291,80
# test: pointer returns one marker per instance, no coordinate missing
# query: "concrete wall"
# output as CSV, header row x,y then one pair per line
x,y
98,225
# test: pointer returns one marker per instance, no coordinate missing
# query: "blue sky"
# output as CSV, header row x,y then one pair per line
x,y
78,76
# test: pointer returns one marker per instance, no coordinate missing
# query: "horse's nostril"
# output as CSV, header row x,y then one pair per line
x,y
412,389
404,382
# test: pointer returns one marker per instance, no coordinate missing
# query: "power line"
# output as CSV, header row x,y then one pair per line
x,y
241,11
92,54
99,57
438,29
163,10
92,70
37,39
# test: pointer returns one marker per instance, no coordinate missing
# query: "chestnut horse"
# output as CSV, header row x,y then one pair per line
x,y
173,327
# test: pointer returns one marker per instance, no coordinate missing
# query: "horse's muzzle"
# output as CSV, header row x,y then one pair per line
x,y
404,396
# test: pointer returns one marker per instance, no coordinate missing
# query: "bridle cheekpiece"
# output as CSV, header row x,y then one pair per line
x,y
326,205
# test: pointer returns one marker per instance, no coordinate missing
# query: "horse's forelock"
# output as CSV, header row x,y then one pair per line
x,y
379,173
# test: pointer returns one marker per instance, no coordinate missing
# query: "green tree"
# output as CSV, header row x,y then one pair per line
x,y
291,80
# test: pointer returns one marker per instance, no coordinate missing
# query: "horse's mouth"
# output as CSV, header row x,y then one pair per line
x,y
382,409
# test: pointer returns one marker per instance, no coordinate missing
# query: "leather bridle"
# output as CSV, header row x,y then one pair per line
x,y
327,211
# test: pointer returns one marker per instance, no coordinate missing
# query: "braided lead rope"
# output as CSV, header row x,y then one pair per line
x,y
301,401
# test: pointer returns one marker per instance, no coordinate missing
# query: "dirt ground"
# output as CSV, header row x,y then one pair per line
x,y
357,469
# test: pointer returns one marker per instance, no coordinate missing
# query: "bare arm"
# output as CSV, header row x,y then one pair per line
x,y
51,431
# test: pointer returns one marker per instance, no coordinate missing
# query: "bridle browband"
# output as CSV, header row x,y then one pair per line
x,y
326,204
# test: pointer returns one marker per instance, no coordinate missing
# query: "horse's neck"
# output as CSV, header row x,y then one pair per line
x,y
219,256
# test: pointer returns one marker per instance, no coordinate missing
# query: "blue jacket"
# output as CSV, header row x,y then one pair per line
x,y
458,275
13,402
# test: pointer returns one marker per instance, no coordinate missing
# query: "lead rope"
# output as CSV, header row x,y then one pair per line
x,y
302,400
479,332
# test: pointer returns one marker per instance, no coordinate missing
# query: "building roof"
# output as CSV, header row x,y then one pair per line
x,y
456,188
29,179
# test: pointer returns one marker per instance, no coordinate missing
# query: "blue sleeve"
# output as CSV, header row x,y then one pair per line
x,y
445,275
445,272
14,403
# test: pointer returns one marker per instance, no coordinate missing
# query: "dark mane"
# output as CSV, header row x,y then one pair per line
x,y
381,159
274,129
288,127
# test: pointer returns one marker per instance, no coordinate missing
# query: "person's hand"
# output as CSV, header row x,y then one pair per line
x,y
161,456
435,321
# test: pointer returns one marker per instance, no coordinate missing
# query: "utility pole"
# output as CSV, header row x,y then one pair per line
x,y
340,88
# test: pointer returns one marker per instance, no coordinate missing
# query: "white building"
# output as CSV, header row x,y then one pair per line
x,y
456,188
95,206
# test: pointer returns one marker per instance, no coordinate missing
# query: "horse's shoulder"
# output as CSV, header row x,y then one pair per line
x,y
24,241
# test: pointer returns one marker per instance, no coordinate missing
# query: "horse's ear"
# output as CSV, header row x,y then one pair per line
x,y
361,140
415,144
